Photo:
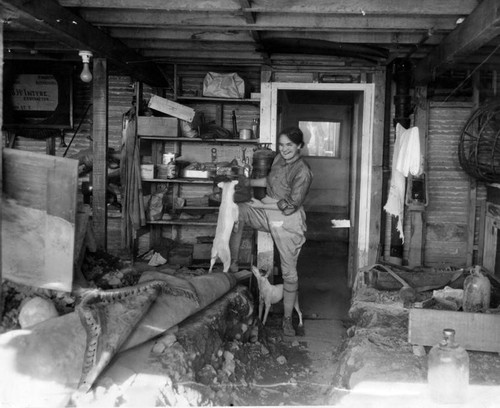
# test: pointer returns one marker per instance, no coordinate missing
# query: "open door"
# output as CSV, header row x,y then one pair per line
x,y
358,99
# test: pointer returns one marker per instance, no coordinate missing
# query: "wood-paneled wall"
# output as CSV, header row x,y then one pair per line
x,y
448,187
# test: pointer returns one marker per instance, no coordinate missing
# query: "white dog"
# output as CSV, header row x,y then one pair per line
x,y
228,216
271,294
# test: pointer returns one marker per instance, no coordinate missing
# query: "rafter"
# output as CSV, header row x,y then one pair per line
x,y
75,32
373,37
271,22
480,27
369,7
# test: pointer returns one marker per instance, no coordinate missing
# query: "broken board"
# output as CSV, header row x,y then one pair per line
x,y
38,219
171,108
474,331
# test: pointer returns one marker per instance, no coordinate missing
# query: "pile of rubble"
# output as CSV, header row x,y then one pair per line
x,y
245,364
377,348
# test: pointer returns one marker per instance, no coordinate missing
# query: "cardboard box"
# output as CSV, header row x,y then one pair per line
x,y
155,126
147,171
171,108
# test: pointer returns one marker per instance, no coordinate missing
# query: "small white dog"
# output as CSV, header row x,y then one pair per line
x,y
270,294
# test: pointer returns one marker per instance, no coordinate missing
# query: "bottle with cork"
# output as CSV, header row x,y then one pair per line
x,y
235,125
448,371
255,128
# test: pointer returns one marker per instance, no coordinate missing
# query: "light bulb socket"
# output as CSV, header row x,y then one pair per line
x,y
86,55
86,75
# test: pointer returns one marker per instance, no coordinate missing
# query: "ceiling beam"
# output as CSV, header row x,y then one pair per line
x,y
68,28
182,35
482,25
246,9
250,18
187,45
273,21
368,7
374,37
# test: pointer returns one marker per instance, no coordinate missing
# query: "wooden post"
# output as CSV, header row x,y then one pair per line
x,y
378,79
471,222
50,147
1,165
416,213
491,225
100,147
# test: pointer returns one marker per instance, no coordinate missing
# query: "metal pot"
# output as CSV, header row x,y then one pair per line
x,y
245,134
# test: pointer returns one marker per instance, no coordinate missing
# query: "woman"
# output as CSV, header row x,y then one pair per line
x,y
280,213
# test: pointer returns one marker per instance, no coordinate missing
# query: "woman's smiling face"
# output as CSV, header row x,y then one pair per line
x,y
288,149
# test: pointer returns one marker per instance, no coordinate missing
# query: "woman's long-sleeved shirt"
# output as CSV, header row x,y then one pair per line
x,y
289,182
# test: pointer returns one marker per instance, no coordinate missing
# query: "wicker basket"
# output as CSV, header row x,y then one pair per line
x,y
479,146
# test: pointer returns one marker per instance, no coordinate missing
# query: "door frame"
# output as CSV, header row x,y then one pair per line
x,y
361,178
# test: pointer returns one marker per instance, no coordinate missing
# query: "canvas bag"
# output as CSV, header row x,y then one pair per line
x,y
223,85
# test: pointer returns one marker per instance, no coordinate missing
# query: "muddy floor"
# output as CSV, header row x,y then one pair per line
x,y
276,371
270,370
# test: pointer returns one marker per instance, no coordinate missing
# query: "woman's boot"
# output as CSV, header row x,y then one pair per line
x,y
289,295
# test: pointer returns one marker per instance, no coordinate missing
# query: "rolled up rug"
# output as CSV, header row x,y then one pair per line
x,y
45,365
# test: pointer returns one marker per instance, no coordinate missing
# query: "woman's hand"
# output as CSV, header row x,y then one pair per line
x,y
267,202
255,203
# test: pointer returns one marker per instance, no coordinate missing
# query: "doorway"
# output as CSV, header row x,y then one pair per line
x,y
325,118
341,188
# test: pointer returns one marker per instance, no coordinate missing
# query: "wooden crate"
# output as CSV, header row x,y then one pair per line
x,y
474,331
157,126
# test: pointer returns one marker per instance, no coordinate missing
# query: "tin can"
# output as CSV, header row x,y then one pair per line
x,y
245,134
171,170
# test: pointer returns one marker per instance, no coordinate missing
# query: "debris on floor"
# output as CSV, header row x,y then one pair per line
x,y
249,365
377,349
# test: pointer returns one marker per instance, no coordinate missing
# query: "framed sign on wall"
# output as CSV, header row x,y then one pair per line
x,y
37,95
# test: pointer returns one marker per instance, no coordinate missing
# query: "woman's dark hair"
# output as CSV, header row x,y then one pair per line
x,y
294,134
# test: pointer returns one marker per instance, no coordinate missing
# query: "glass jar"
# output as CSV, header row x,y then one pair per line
x,y
477,291
448,370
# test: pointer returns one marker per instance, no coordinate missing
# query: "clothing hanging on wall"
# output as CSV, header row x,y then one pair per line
x,y
405,160
133,212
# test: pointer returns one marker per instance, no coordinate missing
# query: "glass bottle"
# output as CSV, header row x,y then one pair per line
x,y
477,291
235,125
448,370
255,128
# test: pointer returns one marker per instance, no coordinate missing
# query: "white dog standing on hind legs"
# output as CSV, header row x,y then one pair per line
x,y
228,216
271,294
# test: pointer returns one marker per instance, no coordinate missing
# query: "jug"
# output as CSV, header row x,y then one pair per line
x,y
448,370
477,291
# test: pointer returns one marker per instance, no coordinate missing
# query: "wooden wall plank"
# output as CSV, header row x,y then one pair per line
x,y
447,213
100,147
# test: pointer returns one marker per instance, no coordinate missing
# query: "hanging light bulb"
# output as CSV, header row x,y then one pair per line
x,y
86,75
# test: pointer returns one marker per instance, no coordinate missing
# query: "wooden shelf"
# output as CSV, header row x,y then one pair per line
x,y
219,100
192,208
181,180
184,222
198,140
